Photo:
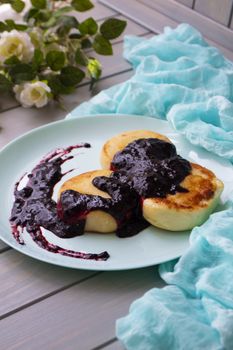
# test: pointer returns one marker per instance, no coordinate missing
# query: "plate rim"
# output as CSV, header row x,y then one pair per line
x,y
89,268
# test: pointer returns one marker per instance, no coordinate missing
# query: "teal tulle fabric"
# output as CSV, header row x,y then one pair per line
x,y
179,77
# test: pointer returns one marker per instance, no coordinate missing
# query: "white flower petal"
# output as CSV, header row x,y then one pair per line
x,y
32,94
15,43
42,102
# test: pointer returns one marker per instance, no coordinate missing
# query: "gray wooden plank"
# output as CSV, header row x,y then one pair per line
x,y
25,280
141,14
188,3
81,317
146,16
172,13
227,53
3,246
139,31
219,11
7,102
209,28
21,120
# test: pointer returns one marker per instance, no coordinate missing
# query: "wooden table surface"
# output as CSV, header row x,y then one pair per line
x,y
49,307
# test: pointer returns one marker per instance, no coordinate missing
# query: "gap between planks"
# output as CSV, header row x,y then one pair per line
x,y
112,344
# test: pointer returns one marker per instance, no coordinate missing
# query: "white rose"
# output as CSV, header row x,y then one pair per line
x,y
17,44
32,94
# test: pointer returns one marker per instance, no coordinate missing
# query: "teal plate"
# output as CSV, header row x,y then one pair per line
x,y
152,245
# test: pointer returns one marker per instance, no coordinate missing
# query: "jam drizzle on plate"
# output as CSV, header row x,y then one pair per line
x,y
34,207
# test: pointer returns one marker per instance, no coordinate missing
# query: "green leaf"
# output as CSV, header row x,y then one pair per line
x,y
112,28
55,60
70,21
10,23
71,76
17,5
5,84
75,36
22,72
50,23
35,39
89,26
57,87
62,10
66,23
3,27
32,13
81,58
39,4
102,46
82,5
86,43
21,27
94,68
43,15
12,60
38,57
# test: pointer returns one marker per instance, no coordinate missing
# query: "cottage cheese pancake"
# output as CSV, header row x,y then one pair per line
x,y
183,211
194,197
96,220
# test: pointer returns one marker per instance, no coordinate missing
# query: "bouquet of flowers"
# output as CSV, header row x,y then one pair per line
x,y
47,52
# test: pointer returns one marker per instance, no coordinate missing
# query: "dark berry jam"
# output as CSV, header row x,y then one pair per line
x,y
151,167
145,168
34,207
124,206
